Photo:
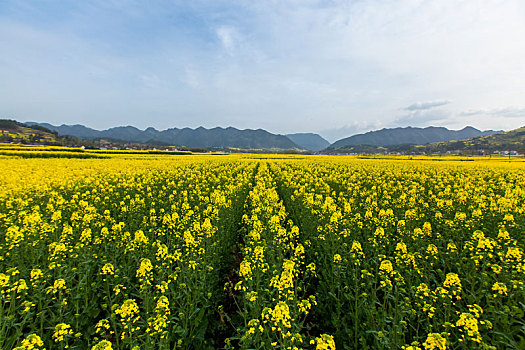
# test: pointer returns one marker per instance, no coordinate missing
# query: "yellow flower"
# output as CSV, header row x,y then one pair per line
x,y
31,342
103,345
251,296
514,254
435,341
245,269
58,285
102,326
36,274
128,309
62,330
306,304
21,286
280,315
27,305
140,238
128,313
118,288
325,342
159,323
13,236
432,250
108,269
503,235
499,288
470,324
357,250
452,283
144,272
401,248
386,267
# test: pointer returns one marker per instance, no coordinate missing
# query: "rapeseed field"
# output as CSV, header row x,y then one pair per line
x,y
261,252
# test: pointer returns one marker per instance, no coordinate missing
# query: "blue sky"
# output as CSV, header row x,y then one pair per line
x,y
332,67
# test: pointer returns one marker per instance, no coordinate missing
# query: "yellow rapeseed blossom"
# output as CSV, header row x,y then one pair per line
x,y
158,324
386,267
469,323
499,288
108,269
31,342
102,326
58,285
103,345
129,315
62,330
325,342
435,341
453,283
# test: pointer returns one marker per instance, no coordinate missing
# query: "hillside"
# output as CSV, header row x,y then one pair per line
x,y
510,141
186,137
13,131
513,140
309,141
409,135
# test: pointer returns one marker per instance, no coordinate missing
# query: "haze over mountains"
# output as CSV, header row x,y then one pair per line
x,y
261,139
309,141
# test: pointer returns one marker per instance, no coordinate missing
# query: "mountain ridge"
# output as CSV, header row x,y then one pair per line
x,y
393,139
186,137
409,135
508,142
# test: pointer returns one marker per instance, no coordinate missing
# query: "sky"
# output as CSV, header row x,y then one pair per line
x,y
336,68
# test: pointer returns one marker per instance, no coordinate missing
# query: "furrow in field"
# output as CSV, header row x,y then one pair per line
x,y
271,293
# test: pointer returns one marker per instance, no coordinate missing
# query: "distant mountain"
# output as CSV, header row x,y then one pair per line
x,y
309,141
186,137
410,135
503,142
77,130
513,140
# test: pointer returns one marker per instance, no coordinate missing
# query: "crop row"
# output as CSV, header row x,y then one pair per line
x,y
272,292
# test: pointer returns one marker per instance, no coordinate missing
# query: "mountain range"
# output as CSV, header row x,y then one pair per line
x,y
186,137
391,139
513,140
508,142
410,136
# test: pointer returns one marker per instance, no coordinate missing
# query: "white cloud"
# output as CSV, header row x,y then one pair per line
x,y
426,105
505,112
229,37
354,128
423,117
